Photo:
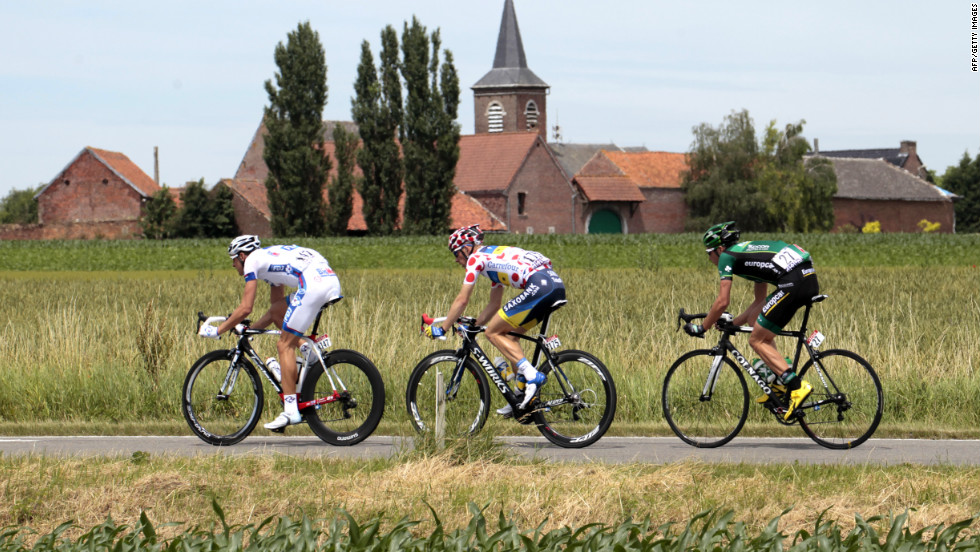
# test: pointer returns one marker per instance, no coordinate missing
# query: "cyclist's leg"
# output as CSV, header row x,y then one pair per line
x,y
520,315
315,290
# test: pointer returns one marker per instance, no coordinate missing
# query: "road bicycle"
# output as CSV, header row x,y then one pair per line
x,y
573,409
706,399
341,393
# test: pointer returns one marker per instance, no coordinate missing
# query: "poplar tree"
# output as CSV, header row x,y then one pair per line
x,y
294,141
341,189
430,134
377,110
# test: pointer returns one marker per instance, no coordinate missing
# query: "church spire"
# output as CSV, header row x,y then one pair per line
x,y
510,48
509,63
510,98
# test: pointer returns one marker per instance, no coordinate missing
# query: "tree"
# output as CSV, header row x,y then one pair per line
x,y
964,180
19,206
341,188
377,110
159,215
193,217
764,187
221,213
294,143
430,134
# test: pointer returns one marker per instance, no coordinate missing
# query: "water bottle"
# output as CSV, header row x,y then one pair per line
x,y
763,371
273,366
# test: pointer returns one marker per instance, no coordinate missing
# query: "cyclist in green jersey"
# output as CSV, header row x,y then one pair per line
x,y
786,266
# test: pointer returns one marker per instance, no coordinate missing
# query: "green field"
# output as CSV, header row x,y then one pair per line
x,y
99,335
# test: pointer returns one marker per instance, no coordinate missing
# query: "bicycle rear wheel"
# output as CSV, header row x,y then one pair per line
x,y
585,401
220,401
846,404
466,393
705,413
355,415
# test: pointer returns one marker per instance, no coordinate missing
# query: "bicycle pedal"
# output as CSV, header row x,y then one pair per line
x,y
279,430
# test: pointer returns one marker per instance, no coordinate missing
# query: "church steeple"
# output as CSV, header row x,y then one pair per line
x,y
510,97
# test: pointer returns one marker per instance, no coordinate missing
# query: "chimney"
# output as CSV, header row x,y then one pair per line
x,y
816,146
907,147
156,165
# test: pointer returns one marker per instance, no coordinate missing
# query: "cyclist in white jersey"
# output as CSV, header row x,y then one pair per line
x,y
530,271
281,266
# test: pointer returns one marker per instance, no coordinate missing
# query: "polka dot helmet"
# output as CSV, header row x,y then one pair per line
x,y
467,235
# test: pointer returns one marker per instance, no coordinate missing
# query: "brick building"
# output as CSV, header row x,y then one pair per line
x,y
877,190
99,194
251,204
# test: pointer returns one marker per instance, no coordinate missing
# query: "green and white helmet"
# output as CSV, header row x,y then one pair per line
x,y
721,234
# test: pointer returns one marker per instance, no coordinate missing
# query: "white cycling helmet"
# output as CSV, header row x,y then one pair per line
x,y
243,244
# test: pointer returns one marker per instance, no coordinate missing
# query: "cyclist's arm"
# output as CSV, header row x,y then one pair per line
x,y
459,305
243,309
720,304
753,310
496,297
276,295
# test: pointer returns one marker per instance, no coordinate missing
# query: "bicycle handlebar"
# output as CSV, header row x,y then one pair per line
x,y
467,321
688,317
207,320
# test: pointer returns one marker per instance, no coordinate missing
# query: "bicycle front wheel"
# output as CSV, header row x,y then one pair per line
x,y
846,404
706,408
578,402
222,401
439,384
359,392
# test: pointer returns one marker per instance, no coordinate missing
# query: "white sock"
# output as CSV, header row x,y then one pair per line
x,y
525,369
289,405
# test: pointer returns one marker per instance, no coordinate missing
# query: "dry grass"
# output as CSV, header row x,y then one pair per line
x,y
43,492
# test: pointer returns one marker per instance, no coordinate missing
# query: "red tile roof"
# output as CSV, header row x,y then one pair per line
x,y
489,162
609,188
651,169
465,210
127,170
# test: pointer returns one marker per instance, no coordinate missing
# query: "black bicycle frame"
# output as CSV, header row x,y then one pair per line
x,y
244,346
725,344
471,348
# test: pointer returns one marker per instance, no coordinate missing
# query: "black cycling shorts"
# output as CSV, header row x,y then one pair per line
x,y
793,291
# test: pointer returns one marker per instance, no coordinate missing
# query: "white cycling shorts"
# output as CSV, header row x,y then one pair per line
x,y
318,284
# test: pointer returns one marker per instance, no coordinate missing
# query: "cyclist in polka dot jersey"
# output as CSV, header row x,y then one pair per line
x,y
530,271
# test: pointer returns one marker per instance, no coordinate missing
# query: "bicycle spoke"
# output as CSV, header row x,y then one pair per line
x,y
702,411
846,404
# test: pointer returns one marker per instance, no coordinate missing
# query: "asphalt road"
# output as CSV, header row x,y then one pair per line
x,y
654,450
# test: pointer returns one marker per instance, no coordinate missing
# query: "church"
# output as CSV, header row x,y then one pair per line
x,y
508,177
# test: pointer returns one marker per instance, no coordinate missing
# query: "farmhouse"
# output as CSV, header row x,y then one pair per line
x,y
99,194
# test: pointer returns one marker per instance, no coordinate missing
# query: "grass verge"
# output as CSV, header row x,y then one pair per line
x,y
42,492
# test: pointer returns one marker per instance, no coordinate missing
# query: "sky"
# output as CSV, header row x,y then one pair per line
x,y
188,77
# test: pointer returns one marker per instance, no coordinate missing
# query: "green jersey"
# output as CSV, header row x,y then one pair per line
x,y
763,261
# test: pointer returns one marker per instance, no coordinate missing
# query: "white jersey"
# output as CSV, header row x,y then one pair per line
x,y
286,265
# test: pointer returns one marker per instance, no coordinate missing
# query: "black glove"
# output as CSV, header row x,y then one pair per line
x,y
694,330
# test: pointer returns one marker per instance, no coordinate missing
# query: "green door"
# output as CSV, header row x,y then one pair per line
x,y
605,222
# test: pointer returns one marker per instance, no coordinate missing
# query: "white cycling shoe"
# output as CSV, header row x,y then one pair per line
x,y
506,411
283,420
